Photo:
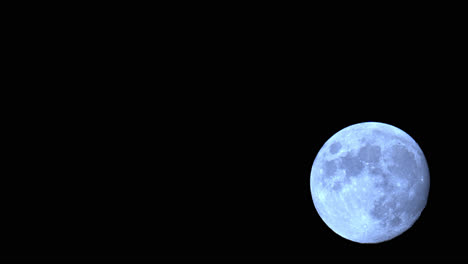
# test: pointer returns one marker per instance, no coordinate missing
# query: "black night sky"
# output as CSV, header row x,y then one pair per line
x,y
195,141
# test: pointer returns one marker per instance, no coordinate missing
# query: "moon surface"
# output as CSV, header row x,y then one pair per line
x,y
370,182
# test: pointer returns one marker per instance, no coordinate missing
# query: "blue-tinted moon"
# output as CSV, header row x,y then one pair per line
x,y
370,182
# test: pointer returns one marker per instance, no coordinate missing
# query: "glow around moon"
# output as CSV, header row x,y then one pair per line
x,y
370,182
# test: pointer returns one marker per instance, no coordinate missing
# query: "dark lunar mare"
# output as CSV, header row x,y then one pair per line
x,y
389,209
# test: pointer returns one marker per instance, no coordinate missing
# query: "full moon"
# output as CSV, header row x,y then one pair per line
x,y
370,182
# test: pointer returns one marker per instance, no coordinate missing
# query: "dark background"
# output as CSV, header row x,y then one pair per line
x,y
191,136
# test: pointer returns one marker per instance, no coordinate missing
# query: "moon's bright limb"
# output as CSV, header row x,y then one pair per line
x,y
370,182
